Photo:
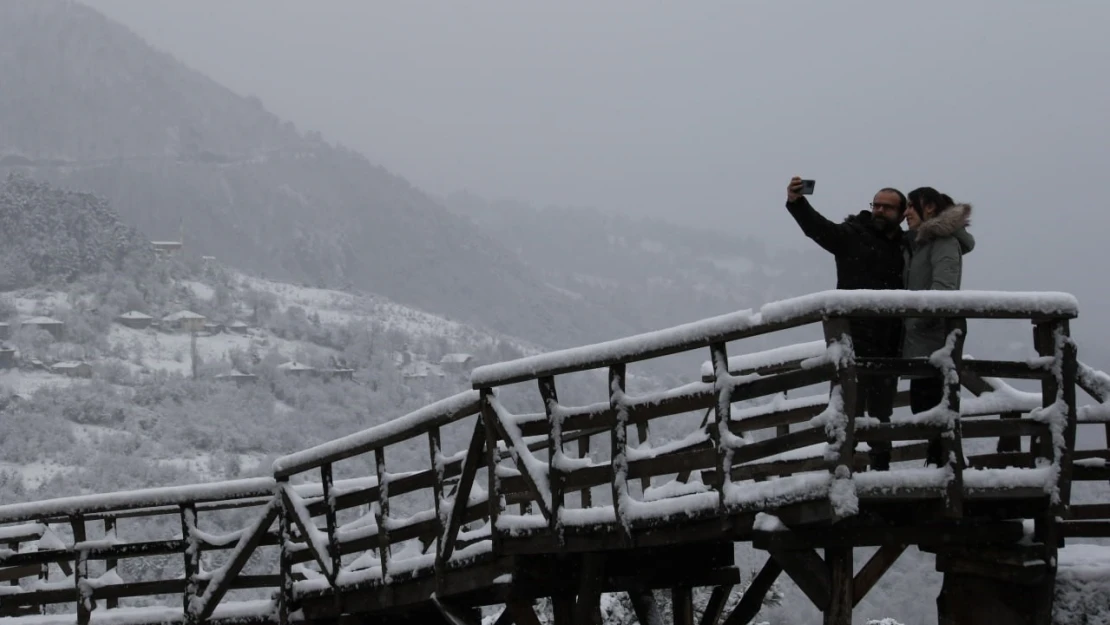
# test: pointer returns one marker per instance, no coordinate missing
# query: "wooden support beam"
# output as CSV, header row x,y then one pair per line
x,y
382,516
873,571
486,417
808,571
521,612
204,605
646,608
587,609
462,495
841,596
722,420
952,442
456,614
327,485
716,605
752,601
435,455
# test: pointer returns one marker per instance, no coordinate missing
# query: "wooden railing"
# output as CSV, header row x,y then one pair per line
x,y
338,543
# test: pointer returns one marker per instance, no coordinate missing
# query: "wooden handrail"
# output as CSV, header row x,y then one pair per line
x,y
778,316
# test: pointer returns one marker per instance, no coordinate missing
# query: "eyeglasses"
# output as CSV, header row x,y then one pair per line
x,y
884,205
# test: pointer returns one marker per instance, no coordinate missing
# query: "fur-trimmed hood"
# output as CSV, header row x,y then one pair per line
x,y
943,225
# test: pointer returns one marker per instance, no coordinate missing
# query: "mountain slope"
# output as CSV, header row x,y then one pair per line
x,y
87,104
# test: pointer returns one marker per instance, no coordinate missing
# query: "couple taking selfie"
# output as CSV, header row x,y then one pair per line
x,y
872,251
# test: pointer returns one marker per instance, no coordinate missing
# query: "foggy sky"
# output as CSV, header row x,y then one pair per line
x,y
700,112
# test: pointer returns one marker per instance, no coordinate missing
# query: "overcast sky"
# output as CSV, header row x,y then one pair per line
x,y
699,111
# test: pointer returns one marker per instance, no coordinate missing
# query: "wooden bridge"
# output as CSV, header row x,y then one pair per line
x,y
388,525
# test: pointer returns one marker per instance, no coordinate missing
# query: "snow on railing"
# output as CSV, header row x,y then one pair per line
x,y
778,316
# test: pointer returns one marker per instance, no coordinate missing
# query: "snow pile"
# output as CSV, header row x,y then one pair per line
x,y
1082,585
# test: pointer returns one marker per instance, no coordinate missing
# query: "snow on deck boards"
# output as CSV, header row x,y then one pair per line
x,y
777,315
227,610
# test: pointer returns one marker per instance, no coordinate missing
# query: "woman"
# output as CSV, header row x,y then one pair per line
x,y
934,249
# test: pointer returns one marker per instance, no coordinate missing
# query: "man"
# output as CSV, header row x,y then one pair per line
x,y
868,252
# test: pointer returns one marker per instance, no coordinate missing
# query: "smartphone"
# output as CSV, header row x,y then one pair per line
x,y
807,187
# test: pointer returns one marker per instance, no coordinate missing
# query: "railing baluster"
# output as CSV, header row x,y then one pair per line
x,y
383,510
110,563
619,456
85,602
719,431
555,478
191,555
584,452
435,451
327,484
285,558
952,443
493,459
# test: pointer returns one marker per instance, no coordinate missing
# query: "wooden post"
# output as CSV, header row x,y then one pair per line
x,y
554,449
85,603
110,563
838,330
285,559
841,596
493,459
682,605
584,452
383,510
188,514
953,443
722,388
327,485
434,452
619,454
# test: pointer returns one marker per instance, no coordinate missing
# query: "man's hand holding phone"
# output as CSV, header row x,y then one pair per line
x,y
798,187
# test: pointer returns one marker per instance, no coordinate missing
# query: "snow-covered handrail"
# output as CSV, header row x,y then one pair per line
x,y
142,498
778,356
413,424
779,316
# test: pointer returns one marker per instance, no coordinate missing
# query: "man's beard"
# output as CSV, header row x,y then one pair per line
x,y
883,225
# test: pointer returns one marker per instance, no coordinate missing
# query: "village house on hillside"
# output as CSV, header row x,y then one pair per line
x,y
167,248
238,377
456,363
135,319
7,357
238,327
293,367
73,369
53,326
5,331
185,321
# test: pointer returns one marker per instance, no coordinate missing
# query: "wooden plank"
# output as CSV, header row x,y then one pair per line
x,y
1019,370
522,612
752,601
587,609
110,563
873,571
682,605
204,605
330,525
382,516
646,608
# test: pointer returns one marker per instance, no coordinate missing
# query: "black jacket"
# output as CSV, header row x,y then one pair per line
x,y
865,259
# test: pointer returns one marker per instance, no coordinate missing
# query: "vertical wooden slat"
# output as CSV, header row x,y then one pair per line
x,y
584,452
435,450
110,563
285,559
466,481
383,510
953,443
1069,371
641,438
493,459
838,330
1045,529
81,570
619,455
722,412
715,606
327,483
554,448
188,515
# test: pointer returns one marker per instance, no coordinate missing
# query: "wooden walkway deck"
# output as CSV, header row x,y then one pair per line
x,y
560,503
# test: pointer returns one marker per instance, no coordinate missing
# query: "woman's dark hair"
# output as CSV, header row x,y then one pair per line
x,y
922,196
